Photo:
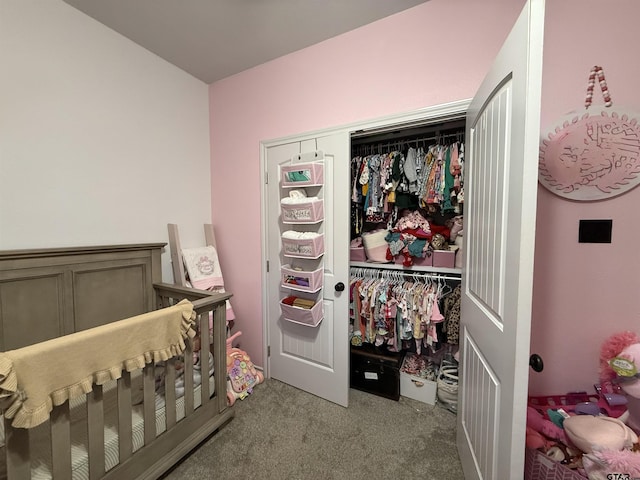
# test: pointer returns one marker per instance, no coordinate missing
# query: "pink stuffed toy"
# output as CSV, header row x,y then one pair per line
x,y
631,386
605,463
541,431
626,346
611,348
536,440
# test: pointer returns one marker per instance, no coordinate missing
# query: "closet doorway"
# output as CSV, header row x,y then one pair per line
x,y
316,359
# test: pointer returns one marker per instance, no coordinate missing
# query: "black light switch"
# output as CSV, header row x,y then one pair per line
x,y
595,231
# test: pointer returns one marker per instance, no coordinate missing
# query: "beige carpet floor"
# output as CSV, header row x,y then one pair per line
x,y
280,432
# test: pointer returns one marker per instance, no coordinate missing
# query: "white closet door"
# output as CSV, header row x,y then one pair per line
x,y
503,125
314,359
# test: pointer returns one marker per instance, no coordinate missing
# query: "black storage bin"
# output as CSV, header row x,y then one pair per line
x,y
376,371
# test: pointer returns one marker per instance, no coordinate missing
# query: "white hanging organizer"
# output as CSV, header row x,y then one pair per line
x,y
302,239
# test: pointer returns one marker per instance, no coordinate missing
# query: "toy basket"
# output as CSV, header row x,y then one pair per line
x,y
445,258
375,245
303,247
309,317
302,174
305,281
426,261
567,402
356,251
307,212
537,466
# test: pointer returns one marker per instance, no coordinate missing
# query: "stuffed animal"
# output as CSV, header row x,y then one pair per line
x,y
542,432
242,375
631,384
620,363
536,441
605,464
611,348
590,433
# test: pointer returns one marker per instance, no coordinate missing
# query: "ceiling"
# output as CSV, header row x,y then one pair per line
x,y
214,39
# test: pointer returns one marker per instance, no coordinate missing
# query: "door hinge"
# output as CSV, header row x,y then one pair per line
x,y
269,351
267,266
266,177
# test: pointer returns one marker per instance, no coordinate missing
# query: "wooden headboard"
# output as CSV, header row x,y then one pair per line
x,y
47,293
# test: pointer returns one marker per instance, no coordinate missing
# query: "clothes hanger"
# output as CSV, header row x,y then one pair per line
x,y
447,288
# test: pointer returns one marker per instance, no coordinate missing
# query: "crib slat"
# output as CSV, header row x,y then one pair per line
x,y
125,444
188,379
149,407
161,301
95,432
204,357
18,454
220,353
61,441
170,392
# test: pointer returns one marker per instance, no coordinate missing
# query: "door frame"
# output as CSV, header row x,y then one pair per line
x,y
433,114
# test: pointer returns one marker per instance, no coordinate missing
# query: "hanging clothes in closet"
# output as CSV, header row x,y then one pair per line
x,y
400,311
415,192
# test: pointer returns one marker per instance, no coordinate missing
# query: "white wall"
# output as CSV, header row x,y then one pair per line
x,y
101,141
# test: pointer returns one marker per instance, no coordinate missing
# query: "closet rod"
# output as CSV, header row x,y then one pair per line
x,y
379,145
443,276
435,125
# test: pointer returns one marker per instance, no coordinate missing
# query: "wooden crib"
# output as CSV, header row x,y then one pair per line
x,y
132,427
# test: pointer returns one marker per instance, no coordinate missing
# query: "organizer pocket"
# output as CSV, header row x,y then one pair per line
x,y
301,280
300,174
303,247
311,211
310,317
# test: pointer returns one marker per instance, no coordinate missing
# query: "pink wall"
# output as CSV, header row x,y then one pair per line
x,y
425,56
432,54
584,292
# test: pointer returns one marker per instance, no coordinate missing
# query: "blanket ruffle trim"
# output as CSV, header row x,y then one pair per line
x,y
12,398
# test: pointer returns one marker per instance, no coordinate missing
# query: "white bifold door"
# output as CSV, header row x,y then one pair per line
x,y
312,358
503,130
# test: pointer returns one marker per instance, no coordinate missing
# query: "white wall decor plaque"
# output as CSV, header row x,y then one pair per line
x,y
591,155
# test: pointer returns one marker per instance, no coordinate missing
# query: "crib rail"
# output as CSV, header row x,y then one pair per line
x,y
159,451
206,304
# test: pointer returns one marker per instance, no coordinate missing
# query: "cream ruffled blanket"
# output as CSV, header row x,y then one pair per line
x,y
33,379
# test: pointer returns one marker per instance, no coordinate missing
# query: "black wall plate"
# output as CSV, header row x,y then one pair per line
x,y
595,231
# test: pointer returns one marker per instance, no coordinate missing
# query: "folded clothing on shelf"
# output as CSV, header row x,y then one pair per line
x,y
292,234
303,303
299,302
298,200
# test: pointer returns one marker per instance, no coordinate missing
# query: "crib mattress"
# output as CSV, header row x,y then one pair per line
x,y
40,436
